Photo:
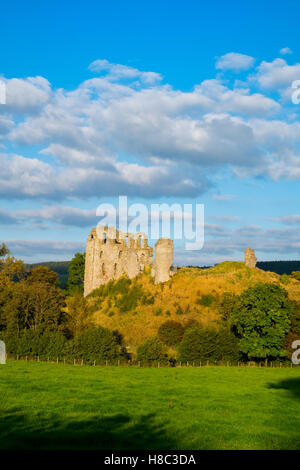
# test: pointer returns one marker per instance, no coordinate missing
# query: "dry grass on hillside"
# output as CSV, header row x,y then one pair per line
x,y
181,299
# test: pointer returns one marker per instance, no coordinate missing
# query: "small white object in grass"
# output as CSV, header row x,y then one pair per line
x,y
2,353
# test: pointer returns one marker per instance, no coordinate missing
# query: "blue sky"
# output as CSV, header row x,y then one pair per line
x,y
163,101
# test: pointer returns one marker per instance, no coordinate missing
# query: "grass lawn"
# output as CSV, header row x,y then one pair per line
x,y
49,406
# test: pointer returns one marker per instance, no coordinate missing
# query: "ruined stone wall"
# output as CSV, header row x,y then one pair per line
x,y
108,256
163,260
250,258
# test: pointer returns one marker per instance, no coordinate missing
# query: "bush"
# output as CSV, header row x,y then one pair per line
x,y
208,344
296,275
192,323
157,311
34,344
97,344
153,350
170,333
284,279
206,300
179,310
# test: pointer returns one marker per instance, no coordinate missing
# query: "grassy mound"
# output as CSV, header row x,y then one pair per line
x,y
137,308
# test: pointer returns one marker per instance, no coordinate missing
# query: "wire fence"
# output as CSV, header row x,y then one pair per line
x,y
151,364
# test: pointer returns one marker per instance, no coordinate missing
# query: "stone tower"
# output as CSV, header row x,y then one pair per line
x,y
250,258
163,260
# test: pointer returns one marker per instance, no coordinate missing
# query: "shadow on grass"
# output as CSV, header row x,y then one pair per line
x,y
291,385
117,432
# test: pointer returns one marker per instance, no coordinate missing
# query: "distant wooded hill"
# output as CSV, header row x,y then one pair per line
x,y
279,267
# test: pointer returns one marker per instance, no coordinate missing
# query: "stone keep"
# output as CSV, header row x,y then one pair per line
x,y
111,253
161,270
250,258
2,353
108,256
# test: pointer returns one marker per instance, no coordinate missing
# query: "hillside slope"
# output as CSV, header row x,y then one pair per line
x,y
137,309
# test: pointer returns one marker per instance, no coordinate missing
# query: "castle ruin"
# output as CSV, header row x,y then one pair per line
x,y
250,258
111,253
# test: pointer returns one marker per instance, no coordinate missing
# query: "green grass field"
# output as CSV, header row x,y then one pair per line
x,y
49,406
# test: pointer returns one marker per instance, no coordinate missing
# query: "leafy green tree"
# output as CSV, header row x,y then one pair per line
x,y
49,344
170,332
261,320
33,306
153,350
227,305
4,250
12,268
208,344
96,344
295,321
76,273
79,315
43,275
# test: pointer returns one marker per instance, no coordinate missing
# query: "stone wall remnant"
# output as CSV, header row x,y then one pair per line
x,y
250,258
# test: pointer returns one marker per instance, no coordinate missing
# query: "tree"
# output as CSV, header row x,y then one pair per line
x,y
34,306
295,320
4,250
96,344
227,305
76,273
170,332
12,268
79,316
43,275
261,320
208,344
153,350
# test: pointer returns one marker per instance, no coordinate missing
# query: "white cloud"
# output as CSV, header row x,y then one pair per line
x,y
43,250
235,61
147,140
31,178
293,219
285,51
26,95
223,197
277,74
119,72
